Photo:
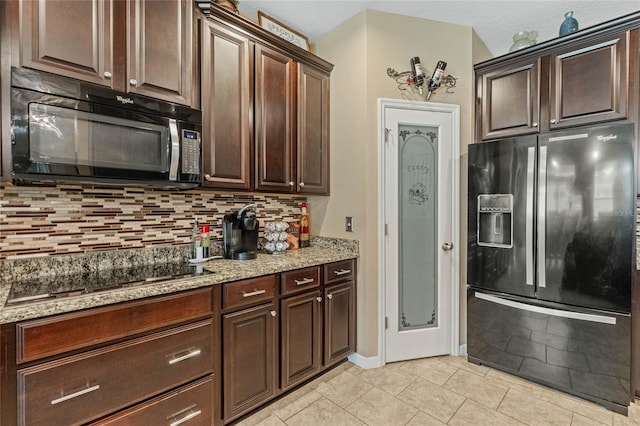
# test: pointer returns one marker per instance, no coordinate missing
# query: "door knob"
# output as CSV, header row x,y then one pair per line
x,y
447,246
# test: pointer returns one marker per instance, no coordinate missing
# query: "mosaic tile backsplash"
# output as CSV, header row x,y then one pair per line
x,y
69,219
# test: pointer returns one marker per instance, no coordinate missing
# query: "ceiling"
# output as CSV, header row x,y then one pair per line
x,y
495,22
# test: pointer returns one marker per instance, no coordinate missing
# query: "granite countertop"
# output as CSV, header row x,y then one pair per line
x,y
325,250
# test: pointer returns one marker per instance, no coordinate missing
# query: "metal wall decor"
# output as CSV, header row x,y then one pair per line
x,y
415,85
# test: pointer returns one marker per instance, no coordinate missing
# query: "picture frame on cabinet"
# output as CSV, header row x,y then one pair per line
x,y
281,30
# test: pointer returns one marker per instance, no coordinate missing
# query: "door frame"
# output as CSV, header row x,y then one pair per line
x,y
454,110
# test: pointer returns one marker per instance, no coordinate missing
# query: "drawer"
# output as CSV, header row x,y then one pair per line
x,y
61,333
247,292
91,385
300,279
339,271
189,405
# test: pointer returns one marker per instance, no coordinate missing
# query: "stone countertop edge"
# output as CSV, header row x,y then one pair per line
x,y
223,271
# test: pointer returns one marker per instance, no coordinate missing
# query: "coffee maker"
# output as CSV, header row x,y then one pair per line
x,y
240,233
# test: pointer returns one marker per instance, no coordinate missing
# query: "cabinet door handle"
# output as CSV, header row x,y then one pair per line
x,y
342,272
274,313
133,82
319,299
329,296
176,359
553,121
188,417
75,394
291,183
304,281
207,176
253,293
107,74
301,184
534,125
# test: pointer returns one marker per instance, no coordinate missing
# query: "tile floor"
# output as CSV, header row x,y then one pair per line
x,y
432,391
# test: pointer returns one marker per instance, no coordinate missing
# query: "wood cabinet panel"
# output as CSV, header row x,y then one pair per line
x,y
510,100
160,49
189,405
81,388
300,338
589,82
313,131
227,104
248,292
274,79
339,322
69,38
249,362
50,336
300,280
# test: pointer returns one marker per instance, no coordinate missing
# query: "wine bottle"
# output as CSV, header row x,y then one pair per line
x,y
304,227
436,78
417,72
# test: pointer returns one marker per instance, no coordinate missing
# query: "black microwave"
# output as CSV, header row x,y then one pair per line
x,y
65,129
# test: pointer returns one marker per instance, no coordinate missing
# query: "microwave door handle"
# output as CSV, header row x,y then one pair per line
x,y
531,164
175,150
542,217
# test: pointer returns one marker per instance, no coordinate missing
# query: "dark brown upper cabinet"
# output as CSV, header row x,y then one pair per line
x,y
139,46
570,81
510,99
227,105
313,131
265,109
274,121
589,82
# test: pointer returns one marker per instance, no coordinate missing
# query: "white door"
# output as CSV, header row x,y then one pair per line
x,y
420,192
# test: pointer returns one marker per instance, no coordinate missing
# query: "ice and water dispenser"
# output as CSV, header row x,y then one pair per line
x,y
495,224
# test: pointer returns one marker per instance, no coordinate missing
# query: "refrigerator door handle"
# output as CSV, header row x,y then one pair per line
x,y
531,164
542,217
547,311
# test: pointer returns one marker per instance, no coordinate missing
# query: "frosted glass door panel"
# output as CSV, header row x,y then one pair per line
x,y
418,289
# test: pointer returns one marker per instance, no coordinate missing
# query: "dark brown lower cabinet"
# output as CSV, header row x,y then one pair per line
x,y
300,338
339,322
249,360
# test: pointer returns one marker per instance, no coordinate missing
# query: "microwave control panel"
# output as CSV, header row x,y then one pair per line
x,y
191,152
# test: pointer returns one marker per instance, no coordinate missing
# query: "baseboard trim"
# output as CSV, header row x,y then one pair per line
x,y
365,362
463,350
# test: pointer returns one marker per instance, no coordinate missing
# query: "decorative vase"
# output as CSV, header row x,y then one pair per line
x,y
569,25
227,5
523,39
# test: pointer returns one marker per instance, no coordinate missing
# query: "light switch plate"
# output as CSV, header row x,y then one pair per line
x,y
349,224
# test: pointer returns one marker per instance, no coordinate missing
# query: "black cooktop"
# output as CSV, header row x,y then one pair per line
x,y
101,280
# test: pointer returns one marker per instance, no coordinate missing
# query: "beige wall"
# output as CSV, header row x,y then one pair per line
x,y
362,49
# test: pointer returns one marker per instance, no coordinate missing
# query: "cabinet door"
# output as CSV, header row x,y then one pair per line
x,y
339,322
589,82
274,121
313,131
227,101
510,103
69,38
249,361
160,46
300,338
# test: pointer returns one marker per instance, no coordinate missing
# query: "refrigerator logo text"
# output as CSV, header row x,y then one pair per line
x,y
606,138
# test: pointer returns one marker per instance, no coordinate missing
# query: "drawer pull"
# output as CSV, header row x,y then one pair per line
x,y
190,354
253,293
75,394
304,281
329,296
186,418
342,272
319,299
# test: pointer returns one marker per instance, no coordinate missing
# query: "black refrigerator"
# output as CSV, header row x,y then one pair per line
x,y
551,227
